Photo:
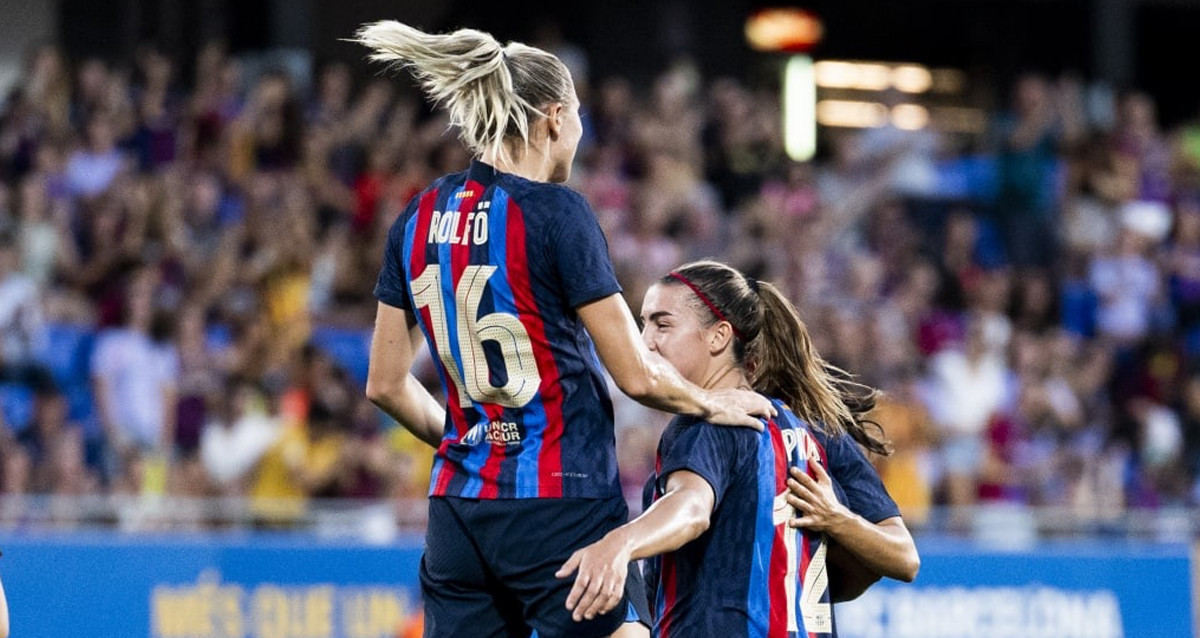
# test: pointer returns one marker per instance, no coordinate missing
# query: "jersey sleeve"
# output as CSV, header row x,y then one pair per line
x,y
579,251
392,286
864,490
711,451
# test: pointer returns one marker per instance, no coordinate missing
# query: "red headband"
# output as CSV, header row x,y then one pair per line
x,y
711,306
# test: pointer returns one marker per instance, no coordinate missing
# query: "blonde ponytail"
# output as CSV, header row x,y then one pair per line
x,y
492,92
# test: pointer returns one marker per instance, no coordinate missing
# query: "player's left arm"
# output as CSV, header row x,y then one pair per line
x,y
885,547
674,520
391,385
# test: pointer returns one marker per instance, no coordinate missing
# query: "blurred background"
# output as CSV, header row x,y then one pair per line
x,y
1000,227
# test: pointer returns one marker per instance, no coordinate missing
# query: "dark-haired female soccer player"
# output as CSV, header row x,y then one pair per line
x,y
722,517
500,269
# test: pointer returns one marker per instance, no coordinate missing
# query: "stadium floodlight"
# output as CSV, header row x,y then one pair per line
x,y
799,108
793,31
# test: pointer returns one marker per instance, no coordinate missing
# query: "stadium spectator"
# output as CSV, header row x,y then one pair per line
x,y
240,431
22,328
135,373
967,389
905,473
300,466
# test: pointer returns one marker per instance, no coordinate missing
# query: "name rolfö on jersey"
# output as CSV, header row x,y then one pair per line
x,y
449,227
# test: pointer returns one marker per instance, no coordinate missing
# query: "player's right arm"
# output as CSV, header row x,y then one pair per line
x,y
680,516
578,252
391,385
697,469
652,381
395,342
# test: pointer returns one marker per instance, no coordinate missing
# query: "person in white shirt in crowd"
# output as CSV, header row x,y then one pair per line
x,y
93,168
1128,282
236,438
967,386
22,327
135,372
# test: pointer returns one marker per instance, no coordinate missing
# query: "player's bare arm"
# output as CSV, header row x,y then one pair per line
x,y
652,381
680,516
886,547
391,386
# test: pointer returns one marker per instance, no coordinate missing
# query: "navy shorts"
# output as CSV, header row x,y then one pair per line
x,y
488,569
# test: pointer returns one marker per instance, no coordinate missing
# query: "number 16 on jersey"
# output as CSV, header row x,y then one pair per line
x,y
473,378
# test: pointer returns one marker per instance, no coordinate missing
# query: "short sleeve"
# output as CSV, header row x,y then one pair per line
x,y
579,251
391,288
708,450
864,490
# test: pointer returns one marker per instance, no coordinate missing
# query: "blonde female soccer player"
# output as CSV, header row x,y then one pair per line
x,y
505,274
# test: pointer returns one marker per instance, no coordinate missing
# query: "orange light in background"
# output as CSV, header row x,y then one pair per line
x,y
787,30
866,76
851,113
874,76
912,78
910,117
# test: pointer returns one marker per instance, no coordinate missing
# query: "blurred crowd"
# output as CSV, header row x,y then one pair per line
x,y
172,248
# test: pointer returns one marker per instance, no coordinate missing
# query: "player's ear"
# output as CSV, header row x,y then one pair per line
x,y
555,116
720,337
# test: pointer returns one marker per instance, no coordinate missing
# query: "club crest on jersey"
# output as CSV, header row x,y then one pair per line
x,y
501,432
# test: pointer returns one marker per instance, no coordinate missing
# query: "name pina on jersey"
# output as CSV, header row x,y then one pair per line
x,y
793,438
449,227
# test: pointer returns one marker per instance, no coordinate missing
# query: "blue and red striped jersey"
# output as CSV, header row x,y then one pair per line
x,y
748,575
493,267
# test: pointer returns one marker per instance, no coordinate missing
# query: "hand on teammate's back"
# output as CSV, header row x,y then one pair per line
x,y
815,501
600,582
738,407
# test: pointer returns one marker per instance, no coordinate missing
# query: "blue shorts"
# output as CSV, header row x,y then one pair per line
x,y
489,565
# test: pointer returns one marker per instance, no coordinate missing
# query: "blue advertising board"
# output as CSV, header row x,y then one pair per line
x,y
105,585
110,585
1086,589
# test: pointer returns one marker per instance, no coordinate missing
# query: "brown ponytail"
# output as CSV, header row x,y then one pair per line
x,y
783,363
774,346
